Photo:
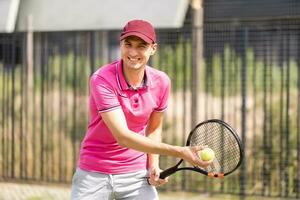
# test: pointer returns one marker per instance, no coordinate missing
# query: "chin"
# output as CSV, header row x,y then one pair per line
x,y
134,66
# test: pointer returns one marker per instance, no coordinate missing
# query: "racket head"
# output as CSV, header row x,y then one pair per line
x,y
224,141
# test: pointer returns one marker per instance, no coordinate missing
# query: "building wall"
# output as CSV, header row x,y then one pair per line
x,y
247,9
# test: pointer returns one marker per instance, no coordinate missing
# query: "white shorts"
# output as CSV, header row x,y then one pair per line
x,y
92,185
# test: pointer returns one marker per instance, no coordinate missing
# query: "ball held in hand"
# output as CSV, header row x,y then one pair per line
x,y
207,154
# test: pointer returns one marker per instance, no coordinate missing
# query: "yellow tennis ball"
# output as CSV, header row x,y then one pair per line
x,y
207,154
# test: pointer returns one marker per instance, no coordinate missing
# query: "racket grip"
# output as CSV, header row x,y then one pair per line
x,y
167,172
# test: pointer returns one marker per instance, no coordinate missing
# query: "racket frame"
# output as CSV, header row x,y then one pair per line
x,y
176,168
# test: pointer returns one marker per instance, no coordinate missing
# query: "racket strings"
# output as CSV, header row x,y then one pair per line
x,y
219,138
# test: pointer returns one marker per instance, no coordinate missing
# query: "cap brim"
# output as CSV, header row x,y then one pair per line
x,y
140,35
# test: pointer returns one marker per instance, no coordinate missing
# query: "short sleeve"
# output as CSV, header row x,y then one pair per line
x,y
165,93
103,94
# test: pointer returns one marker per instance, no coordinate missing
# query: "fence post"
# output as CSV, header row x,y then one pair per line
x,y
197,54
244,110
297,178
93,50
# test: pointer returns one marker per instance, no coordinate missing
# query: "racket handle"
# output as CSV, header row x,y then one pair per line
x,y
167,172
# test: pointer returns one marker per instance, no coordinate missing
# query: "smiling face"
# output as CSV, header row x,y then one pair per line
x,y
135,52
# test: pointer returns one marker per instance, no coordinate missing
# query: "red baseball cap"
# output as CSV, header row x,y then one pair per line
x,y
141,29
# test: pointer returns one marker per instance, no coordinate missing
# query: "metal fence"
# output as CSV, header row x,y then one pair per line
x,y
250,77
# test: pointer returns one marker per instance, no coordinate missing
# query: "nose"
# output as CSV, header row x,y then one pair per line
x,y
132,52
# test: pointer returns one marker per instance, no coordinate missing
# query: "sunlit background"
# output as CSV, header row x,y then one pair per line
x,y
236,60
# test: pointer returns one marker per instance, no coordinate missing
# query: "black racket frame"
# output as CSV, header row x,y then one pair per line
x,y
175,168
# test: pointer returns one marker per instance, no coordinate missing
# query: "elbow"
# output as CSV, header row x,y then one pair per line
x,y
123,138
122,141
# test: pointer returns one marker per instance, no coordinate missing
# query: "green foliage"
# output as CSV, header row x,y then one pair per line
x,y
62,115
224,71
175,60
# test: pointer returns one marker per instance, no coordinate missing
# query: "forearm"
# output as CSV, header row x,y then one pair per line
x,y
147,145
116,122
153,159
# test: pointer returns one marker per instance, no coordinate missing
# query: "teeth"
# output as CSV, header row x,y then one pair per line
x,y
133,59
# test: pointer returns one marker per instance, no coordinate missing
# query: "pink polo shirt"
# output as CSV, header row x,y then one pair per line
x,y
109,90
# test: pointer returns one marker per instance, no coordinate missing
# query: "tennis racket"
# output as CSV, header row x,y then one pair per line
x,y
223,140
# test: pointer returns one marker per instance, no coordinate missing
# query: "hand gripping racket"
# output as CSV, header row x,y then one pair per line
x,y
223,140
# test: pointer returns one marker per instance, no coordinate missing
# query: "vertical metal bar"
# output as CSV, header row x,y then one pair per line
x,y
270,139
7,107
207,79
64,86
287,118
165,62
235,75
61,119
60,125
53,126
173,64
264,142
3,109
93,51
13,136
235,79
212,88
208,73
66,132
76,46
160,58
254,142
184,88
197,42
230,104
42,107
34,109
175,89
222,87
229,68
297,181
22,85
25,103
29,94
281,167
46,165
64,124
243,180
50,108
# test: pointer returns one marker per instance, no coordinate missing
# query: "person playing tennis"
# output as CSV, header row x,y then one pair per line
x,y
119,153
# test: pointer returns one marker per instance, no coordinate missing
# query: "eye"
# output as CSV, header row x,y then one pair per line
x,y
127,44
142,46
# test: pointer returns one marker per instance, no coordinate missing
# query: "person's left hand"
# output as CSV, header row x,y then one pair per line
x,y
154,177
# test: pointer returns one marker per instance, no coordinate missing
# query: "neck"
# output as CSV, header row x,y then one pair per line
x,y
134,77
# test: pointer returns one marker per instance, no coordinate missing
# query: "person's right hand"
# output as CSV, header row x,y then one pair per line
x,y
190,154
